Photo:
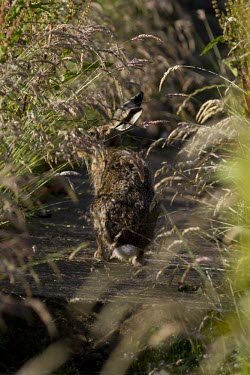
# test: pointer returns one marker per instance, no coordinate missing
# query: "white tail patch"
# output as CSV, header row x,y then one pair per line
x,y
125,253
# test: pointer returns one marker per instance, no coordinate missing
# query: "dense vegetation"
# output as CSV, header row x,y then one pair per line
x,y
68,67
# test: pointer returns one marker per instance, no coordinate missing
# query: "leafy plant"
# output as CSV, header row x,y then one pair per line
x,y
213,159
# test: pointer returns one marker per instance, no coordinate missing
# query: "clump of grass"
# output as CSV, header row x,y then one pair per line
x,y
178,42
59,72
66,73
214,160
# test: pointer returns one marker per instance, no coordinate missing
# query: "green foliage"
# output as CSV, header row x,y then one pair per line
x,y
58,72
178,356
214,42
236,32
51,66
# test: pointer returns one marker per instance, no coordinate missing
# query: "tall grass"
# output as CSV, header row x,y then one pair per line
x,y
59,72
215,157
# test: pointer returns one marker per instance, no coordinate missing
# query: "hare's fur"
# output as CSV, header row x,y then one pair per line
x,y
123,210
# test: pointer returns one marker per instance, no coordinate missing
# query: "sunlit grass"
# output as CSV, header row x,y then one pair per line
x,y
61,78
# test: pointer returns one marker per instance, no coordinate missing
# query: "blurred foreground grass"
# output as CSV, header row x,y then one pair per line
x,y
61,70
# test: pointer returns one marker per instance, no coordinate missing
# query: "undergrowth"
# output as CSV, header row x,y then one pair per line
x,y
63,72
214,160
59,72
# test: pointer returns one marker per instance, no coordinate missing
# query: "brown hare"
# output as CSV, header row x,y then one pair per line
x,y
124,209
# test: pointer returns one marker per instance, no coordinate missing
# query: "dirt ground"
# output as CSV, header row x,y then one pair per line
x,y
65,238
63,245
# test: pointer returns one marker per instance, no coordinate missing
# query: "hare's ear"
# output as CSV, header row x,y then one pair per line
x,y
128,114
134,102
130,117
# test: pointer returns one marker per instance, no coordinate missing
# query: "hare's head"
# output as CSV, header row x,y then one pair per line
x,y
123,119
95,145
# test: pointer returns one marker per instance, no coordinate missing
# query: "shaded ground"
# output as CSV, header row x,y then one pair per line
x,y
67,239
74,276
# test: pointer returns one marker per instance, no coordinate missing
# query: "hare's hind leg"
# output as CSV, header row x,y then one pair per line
x,y
100,231
137,261
99,252
104,244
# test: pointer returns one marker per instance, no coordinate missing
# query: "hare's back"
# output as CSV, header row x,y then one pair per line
x,y
127,215
125,173
122,205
